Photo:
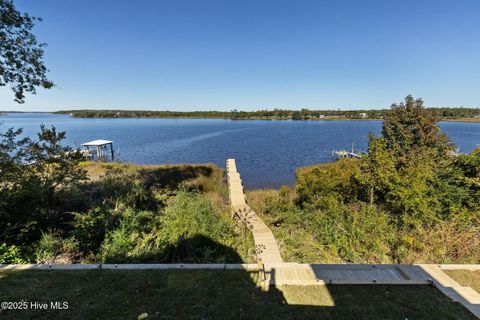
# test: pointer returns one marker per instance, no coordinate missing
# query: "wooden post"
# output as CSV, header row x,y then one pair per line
x,y
111,150
99,153
245,235
261,270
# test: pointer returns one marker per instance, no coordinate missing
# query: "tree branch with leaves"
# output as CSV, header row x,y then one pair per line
x,y
21,55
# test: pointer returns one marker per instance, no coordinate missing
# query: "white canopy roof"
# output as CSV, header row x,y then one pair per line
x,y
97,143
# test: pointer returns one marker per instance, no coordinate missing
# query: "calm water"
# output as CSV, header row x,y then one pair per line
x,y
267,152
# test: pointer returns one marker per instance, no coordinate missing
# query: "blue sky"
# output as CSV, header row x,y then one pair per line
x,y
225,54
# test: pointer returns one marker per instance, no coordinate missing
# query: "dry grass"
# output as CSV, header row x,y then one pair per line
x,y
258,200
466,278
446,242
206,177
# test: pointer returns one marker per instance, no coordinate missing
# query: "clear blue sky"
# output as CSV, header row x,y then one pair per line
x,y
199,55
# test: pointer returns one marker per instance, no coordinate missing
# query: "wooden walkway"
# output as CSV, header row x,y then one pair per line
x,y
265,244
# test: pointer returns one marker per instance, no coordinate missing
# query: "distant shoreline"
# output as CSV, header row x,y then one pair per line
x,y
113,114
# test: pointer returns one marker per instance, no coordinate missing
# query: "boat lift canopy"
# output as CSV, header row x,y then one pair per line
x,y
99,145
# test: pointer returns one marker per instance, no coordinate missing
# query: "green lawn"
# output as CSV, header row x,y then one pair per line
x,y
466,278
212,294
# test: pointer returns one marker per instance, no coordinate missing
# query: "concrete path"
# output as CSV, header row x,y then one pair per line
x,y
265,244
321,274
464,295
280,274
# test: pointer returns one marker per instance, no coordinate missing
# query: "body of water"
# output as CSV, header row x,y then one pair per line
x,y
267,152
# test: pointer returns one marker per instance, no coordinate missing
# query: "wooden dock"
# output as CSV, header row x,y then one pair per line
x,y
265,243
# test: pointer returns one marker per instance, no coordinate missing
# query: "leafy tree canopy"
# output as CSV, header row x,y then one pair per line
x,y
21,55
411,131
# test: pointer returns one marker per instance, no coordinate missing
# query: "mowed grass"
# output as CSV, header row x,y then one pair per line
x,y
466,278
212,294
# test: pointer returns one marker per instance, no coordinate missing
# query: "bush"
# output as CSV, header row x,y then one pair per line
x,y
90,228
53,249
456,240
126,243
47,248
10,254
325,185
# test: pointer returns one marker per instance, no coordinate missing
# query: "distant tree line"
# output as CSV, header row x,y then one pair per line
x,y
281,114
275,114
455,113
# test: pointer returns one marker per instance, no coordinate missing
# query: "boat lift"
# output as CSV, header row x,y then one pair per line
x,y
97,150
339,154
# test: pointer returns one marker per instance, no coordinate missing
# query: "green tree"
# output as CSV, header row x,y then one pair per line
x,y
403,166
36,178
460,183
54,165
21,55
377,169
411,131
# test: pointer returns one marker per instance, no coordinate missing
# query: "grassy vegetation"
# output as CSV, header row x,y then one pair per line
x,y
325,229
133,213
204,177
467,278
332,236
212,294
188,222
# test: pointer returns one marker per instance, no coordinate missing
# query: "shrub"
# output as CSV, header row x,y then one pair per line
x,y
325,185
90,228
47,248
456,240
10,254
53,249
125,243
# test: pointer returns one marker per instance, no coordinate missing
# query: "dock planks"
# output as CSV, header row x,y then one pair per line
x,y
265,243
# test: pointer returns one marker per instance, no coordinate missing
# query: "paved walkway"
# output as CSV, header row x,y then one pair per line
x,y
279,274
265,244
467,296
321,274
